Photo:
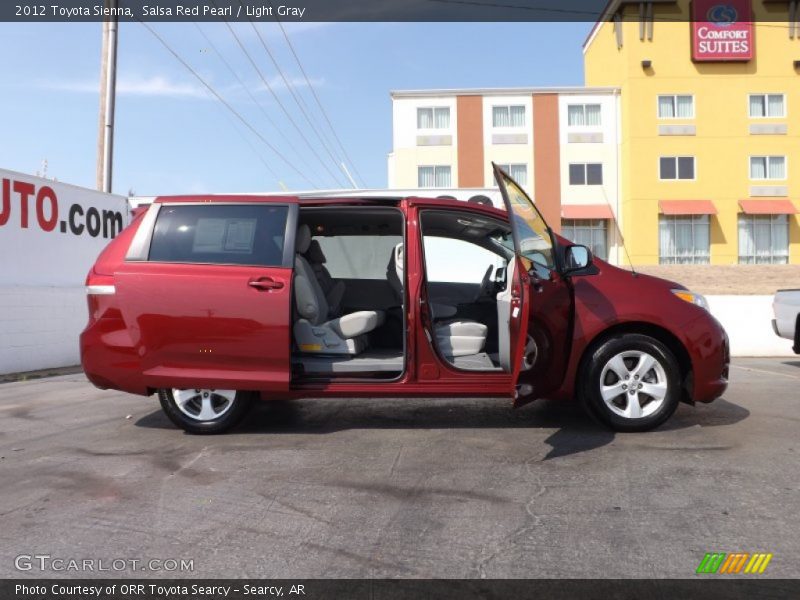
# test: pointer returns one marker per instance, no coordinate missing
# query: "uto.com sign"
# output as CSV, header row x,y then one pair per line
x,y
722,31
27,199
51,232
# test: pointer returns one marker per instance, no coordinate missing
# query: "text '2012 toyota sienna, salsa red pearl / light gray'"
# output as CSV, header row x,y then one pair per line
x,y
214,301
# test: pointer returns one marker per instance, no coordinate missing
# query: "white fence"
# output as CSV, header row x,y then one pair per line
x,y
50,235
748,321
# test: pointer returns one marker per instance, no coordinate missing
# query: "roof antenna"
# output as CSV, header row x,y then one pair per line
x,y
619,233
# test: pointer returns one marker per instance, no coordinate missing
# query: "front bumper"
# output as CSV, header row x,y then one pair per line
x,y
709,350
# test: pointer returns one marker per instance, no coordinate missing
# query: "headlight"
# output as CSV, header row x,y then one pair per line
x,y
692,298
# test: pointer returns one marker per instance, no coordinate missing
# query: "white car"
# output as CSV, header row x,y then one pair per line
x,y
786,323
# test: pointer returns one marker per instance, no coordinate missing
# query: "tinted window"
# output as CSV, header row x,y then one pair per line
x,y
685,167
223,234
668,170
531,232
358,256
594,174
577,174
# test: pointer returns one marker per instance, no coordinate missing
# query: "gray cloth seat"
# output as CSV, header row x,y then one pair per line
x,y
460,337
333,290
315,331
456,337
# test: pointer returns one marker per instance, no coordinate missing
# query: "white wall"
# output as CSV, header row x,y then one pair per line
x,y
604,152
507,153
39,327
47,248
406,155
748,321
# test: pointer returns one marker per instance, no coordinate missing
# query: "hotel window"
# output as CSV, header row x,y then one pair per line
x,y
683,239
676,167
518,173
586,174
433,118
584,115
767,167
592,233
767,105
508,116
676,107
437,176
763,239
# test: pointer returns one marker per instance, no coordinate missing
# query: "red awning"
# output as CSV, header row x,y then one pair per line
x,y
687,207
781,206
586,211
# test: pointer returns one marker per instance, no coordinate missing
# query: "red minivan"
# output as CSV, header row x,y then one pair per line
x,y
213,301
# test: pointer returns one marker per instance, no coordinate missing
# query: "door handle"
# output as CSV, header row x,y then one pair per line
x,y
265,283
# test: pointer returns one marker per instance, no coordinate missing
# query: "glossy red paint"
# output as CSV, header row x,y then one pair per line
x,y
617,300
141,338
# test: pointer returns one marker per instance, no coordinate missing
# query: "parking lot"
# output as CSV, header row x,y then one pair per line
x,y
402,488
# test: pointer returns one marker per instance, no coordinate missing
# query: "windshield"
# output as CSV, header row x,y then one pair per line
x,y
531,231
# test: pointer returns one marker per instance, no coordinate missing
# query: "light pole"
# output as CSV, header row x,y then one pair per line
x,y
108,89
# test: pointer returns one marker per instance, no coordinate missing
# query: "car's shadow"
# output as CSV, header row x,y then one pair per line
x,y
575,431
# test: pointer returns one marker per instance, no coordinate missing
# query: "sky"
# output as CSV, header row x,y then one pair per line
x,y
172,136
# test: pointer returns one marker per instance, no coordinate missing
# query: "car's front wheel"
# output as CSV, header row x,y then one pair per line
x,y
631,382
204,410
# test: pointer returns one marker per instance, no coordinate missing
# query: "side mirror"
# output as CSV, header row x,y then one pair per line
x,y
577,258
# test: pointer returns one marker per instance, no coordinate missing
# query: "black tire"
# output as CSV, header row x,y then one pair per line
x,y
231,417
594,374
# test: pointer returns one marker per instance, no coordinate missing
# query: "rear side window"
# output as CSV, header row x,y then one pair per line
x,y
358,256
222,234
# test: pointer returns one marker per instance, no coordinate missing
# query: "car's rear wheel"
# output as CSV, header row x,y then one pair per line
x,y
631,382
204,410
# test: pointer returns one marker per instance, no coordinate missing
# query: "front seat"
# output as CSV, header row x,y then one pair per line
x,y
460,337
313,331
394,272
333,290
456,337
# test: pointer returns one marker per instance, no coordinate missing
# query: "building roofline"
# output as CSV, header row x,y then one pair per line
x,y
611,7
515,91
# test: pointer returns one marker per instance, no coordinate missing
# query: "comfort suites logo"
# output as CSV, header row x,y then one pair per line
x,y
722,15
722,31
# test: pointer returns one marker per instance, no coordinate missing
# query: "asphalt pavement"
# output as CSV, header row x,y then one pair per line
x,y
461,488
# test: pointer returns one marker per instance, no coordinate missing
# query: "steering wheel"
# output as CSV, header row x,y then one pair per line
x,y
487,284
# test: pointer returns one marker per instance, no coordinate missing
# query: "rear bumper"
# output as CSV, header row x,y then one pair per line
x,y
109,359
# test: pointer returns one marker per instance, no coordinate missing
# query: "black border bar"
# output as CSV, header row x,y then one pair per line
x,y
588,11
703,587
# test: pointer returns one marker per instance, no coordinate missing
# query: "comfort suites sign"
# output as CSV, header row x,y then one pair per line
x,y
722,30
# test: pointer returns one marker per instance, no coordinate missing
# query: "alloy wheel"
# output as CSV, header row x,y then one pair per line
x,y
530,354
633,384
204,405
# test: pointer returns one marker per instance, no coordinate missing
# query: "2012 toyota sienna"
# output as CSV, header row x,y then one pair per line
x,y
214,301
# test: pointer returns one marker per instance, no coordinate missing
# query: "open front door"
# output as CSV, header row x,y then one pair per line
x,y
540,336
205,292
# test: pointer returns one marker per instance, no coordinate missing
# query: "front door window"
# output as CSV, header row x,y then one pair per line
x,y
533,240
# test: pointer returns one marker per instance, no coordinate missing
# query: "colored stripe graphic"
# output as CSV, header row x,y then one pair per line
x,y
733,563
758,564
711,562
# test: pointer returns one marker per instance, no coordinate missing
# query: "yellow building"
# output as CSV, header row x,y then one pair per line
x,y
710,128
